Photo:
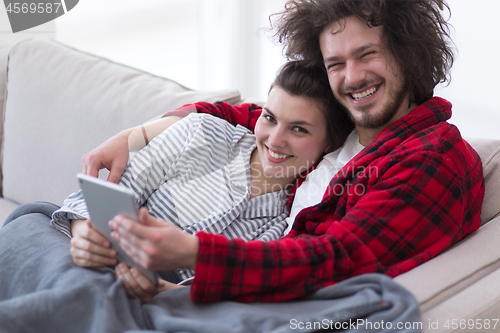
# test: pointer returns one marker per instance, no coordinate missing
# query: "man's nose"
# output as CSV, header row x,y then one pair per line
x,y
355,74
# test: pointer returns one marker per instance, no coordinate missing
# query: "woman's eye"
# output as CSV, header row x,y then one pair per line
x,y
269,118
299,129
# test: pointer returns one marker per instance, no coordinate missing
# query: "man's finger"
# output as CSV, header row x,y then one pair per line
x,y
128,228
130,249
148,220
84,165
114,174
92,167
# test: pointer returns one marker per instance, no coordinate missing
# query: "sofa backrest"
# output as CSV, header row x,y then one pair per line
x,y
61,103
4,55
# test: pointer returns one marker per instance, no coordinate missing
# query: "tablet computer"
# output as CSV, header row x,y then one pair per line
x,y
104,201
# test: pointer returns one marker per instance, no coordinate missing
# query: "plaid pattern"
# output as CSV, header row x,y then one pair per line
x,y
409,195
244,114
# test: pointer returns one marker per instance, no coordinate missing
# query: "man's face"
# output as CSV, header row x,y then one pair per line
x,y
363,74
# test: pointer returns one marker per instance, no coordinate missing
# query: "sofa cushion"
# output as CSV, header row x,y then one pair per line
x,y
62,103
472,309
489,152
455,269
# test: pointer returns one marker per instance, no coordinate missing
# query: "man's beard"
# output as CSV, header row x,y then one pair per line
x,y
386,114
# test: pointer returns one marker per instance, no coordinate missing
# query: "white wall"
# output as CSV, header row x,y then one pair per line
x,y
203,44
6,36
476,74
158,36
236,48
217,44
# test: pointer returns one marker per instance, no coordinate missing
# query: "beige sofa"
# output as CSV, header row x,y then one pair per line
x,y
59,103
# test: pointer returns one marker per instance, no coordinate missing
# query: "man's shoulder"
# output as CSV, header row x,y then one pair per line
x,y
441,142
443,138
217,128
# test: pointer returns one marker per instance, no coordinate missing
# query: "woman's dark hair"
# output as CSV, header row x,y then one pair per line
x,y
414,32
311,81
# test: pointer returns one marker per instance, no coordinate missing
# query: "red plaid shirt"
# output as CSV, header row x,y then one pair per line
x,y
409,195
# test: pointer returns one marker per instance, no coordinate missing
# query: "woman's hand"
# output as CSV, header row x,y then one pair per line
x,y
155,244
135,283
88,247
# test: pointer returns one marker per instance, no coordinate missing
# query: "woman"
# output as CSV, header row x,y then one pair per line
x,y
203,174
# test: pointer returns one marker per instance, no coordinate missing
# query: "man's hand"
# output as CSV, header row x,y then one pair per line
x,y
112,155
155,244
135,283
88,247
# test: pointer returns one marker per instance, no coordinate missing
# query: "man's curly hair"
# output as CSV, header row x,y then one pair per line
x,y
414,31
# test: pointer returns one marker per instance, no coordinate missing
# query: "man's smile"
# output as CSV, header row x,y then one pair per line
x,y
363,94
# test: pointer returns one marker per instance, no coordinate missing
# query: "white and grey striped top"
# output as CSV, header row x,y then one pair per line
x,y
196,175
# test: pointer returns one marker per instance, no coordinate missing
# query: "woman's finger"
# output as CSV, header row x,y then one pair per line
x,y
94,236
84,244
143,282
86,259
132,285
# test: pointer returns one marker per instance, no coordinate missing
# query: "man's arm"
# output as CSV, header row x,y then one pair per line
x,y
411,211
244,114
416,209
113,153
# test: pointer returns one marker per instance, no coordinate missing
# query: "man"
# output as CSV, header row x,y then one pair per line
x,y
409,186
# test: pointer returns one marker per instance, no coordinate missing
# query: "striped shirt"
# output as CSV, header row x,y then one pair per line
x,y
196,175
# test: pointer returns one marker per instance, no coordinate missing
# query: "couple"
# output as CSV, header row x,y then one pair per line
x,y
421,183
204,174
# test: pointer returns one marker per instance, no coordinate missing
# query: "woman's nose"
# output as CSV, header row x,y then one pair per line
x,y
277,137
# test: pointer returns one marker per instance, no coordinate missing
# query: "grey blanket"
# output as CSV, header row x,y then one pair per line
x,y
41,290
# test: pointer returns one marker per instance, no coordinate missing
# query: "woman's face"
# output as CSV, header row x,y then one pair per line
x,y
291,134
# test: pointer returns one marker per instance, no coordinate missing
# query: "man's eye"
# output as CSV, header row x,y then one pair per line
x,y
332,66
